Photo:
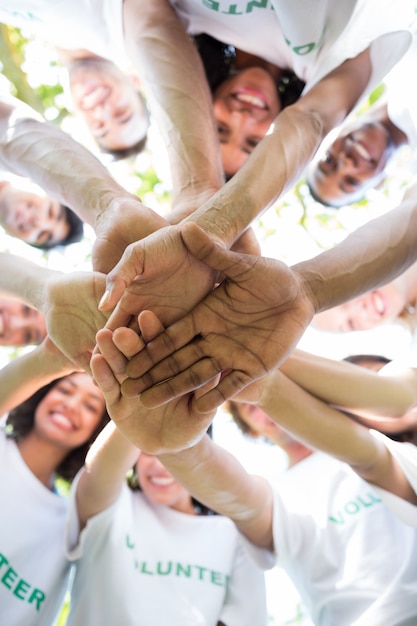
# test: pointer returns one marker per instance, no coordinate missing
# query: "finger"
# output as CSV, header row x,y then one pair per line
x,y
105,379
150,325
128,268
172,339
115,359
128,341
232,264
229,386
185,382
175,364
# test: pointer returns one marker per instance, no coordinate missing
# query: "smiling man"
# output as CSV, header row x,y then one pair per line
x,y
32,216
356,160
108,100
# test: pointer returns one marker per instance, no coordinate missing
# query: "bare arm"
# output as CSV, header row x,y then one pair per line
x,y
24,375
69,303
107,462
67,171
352,387
322,427
216,478
371,256
169,65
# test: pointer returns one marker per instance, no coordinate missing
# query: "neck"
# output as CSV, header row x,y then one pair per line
x,y
41,457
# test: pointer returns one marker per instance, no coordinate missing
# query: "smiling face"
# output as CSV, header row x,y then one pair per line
x,y
20,325
367,311
108,102
354,163
160,487
70,412
31,217
245,105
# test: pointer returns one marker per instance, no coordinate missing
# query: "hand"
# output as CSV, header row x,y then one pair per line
x,y
171,428
157,273
71,313
124,221
244,328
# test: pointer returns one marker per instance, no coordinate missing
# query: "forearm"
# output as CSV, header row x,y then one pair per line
x,y
320,426
170,67
24,280
352,387
315,423
371,256
107,462
59,165
274,166
24,375
217,479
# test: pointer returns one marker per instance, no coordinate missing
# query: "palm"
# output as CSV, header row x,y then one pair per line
x,y
167,429
72,316
158,274
120,226
244,328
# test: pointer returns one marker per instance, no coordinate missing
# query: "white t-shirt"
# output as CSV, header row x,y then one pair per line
x,y
353,561
402,98
94,25
145,565
311,37
406,456
33,568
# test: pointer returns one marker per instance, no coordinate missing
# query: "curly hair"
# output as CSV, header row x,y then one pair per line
x,y
20,422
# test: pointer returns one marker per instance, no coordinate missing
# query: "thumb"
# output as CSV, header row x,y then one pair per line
x,y
127,269
209,252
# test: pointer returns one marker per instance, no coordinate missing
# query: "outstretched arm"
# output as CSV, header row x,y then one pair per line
x,y
67,171
24,375
323,427
210,473
391,392
68,302
272,168
284,298
170,67
106,465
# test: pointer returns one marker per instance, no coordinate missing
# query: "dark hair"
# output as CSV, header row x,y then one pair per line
x,y
219,59
234,409
123,153
358,359
200,509
20,422
76,231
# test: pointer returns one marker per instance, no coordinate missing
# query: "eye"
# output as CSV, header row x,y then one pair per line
x,y
351,182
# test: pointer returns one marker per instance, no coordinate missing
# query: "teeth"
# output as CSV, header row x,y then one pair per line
x,y
161,481
94,97
362,151
62,420
251,99
379,304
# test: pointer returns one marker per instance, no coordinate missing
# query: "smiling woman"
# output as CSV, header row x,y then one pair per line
x,y
394,301
43,438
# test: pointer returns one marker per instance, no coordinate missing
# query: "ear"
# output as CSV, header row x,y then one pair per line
x,y
3,185
134,78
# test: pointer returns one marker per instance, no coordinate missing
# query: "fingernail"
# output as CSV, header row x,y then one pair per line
x,y
104,300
